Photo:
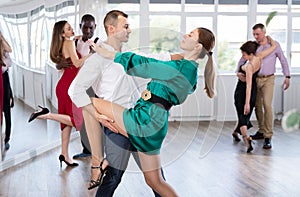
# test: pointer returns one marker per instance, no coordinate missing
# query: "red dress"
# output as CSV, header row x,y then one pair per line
x,y
65,104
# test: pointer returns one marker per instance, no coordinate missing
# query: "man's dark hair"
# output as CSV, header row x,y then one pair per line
x,y
87,17
258,25
112,17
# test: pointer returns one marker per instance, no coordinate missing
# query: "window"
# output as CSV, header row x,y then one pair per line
x,y
36,54
233,6
22,43
158,25
295,48
164,33
199,7
31,32
159,7
131,5
274,5
232,33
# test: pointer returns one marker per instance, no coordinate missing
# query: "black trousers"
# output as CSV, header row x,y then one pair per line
x,y
118,149
7,95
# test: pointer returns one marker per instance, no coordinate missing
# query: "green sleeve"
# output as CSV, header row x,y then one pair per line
x,y
136,65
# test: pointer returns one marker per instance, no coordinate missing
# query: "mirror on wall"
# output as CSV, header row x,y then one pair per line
x,y
33,80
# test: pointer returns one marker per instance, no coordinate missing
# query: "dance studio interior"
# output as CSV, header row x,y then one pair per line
x,y
209,149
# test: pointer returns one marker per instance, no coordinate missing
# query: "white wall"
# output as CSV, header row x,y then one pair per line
x,y
199,107
35,87
28,85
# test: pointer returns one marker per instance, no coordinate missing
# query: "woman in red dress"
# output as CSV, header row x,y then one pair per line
x,y
63,53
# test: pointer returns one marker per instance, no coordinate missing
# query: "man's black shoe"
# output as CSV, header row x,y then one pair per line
x,y
6,146
82,155
257,136
267,143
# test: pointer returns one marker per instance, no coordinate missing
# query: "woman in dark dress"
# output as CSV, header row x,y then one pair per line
x,y
245,92
7,100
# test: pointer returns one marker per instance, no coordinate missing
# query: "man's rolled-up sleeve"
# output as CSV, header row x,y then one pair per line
x,y
88,74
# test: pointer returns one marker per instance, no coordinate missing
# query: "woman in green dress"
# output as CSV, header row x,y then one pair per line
x,y
146,124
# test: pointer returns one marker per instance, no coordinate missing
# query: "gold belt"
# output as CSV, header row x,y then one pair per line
x,y
161,102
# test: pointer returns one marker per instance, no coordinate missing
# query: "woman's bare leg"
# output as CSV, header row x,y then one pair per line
x,y
243,130
150,164
112,111
62,118
244,134
65,133
65,139
94,133
152,172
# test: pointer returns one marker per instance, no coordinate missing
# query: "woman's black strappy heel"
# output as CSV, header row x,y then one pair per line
x,y
34,115
250,147
248,142
96,183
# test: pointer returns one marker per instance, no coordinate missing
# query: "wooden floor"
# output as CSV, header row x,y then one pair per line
x,y
199,159
28,136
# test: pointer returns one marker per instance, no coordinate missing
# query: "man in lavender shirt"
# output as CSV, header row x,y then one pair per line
x,y
265,85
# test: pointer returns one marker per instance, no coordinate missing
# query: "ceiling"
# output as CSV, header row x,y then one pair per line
x,y
21,6
5,3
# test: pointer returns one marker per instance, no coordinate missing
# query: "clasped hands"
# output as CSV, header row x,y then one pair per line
x,y
106,121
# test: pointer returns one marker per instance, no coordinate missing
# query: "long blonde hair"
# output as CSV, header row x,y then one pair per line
x,y
207,39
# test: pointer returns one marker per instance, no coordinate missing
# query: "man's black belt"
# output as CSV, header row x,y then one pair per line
x,y
148,96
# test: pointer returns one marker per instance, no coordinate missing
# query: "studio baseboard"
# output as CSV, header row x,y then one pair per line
x,y
22,157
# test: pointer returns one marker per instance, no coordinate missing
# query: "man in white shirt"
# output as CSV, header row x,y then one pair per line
x,y
110,82
87,27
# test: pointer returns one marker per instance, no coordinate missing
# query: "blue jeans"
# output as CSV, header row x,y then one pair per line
x,y
117,149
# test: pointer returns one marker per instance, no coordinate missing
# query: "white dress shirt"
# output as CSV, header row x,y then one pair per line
x,y
108,80
84,47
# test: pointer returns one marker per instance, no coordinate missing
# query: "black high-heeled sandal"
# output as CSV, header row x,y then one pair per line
x,y
96,183
248,142
62,159
250,148
34,115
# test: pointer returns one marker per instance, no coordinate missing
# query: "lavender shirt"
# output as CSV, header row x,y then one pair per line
x,y
268,66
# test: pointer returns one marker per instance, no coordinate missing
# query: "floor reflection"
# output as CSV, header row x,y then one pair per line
x,y
28,136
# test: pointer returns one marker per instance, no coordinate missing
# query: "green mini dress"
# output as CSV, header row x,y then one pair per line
x,y
147,123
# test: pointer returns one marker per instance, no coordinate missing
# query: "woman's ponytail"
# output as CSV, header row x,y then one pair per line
x,y
209,76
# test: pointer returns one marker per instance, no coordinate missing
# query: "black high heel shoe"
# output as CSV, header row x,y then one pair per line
x,y
96,183
62,159
34,115
248,142
250,148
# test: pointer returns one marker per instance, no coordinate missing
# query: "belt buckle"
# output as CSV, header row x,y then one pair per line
x,y
146,95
